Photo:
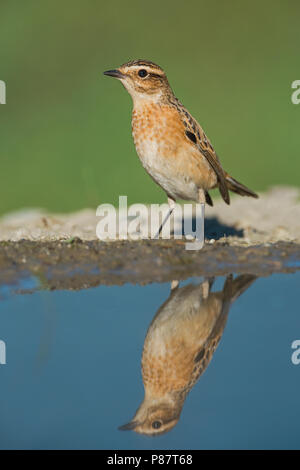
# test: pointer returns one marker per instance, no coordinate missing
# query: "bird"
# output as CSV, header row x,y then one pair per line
x,y
179,345
170,143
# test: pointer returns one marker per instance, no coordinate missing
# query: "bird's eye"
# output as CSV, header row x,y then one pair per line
x,y
142,73
156,424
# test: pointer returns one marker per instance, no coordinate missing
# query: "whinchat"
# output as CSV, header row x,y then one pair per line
x,y
170,143
179,345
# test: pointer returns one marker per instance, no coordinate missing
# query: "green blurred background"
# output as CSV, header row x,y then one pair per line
x,y
65,132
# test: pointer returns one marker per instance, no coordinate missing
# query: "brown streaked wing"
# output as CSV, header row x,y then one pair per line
x,y
206,352
197,136
215,164
208,199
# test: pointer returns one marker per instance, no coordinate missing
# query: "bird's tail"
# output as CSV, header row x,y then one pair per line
x,y
233,288
239,188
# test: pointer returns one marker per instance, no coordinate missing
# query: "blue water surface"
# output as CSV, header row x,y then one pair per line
x,y
73,374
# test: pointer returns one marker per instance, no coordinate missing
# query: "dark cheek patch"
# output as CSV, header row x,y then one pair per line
x,y
191,136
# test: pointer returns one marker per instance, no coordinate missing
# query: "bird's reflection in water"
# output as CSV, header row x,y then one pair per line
x,y
179,345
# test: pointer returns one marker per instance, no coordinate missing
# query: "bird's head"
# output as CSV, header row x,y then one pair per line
x,y
153,419
142,79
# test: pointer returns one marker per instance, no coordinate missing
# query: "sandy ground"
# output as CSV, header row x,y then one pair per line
x,y
260,237
272,218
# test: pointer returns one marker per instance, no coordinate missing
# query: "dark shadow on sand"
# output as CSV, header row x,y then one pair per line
x,y
215,229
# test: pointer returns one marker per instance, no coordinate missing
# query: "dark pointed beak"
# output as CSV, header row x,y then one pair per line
x,y
114,73
129,426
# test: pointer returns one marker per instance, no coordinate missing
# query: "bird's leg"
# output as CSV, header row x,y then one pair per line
x,y
171,203
199,242
205,288
201,196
